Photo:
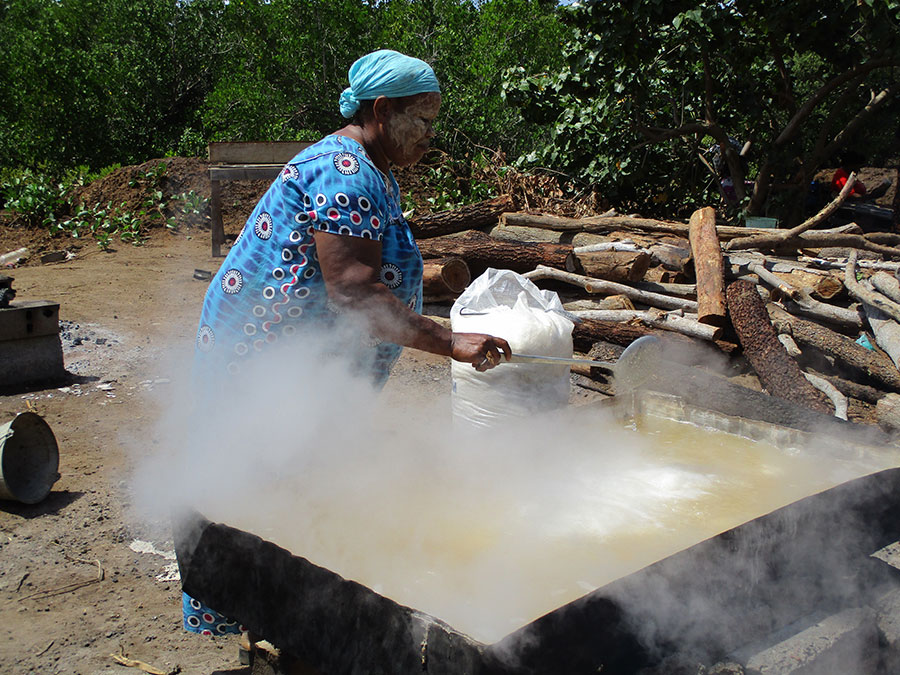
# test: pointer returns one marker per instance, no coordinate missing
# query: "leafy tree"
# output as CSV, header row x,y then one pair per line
x,y
470,45
648,84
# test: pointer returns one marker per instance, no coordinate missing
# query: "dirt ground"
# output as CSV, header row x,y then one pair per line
x,y
72,591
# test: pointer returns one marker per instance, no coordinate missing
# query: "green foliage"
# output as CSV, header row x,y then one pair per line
x,y
34,196
99,82
644,83
101,223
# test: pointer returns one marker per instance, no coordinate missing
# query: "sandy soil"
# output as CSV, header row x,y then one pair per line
x,y
72,591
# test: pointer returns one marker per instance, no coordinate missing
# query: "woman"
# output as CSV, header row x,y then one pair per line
x,y
327,240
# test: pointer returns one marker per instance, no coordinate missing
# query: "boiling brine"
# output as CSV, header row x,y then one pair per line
x,y
490,532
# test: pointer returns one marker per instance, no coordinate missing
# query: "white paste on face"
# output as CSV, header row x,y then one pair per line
x,y
410,130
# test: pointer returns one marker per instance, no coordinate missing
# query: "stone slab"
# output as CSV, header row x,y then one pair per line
x,y
28,319
846,642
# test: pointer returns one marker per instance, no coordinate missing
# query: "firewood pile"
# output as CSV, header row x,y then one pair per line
x,y
808,315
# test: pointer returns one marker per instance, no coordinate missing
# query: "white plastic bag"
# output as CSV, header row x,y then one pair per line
x,y
507,305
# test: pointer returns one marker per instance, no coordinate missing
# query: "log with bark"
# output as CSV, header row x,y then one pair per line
x,y
444,278
850,388
481,251
611,223
609,302
670,321
799,301
587,332
886,331
709,268
886,284
612,288
516,233
842,349
471,217
887,410
624,266
777,371
660,275
868,296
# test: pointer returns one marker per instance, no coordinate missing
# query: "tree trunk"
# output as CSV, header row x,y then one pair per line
x,y
471,217
481,251
444,278
778,372
871,364
709,268
625,266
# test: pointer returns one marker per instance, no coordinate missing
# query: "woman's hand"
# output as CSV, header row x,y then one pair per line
x,y
482,351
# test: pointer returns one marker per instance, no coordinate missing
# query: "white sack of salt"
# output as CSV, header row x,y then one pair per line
x,y
507,305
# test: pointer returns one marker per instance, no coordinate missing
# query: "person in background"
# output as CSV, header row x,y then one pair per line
x,y
328,240
851,162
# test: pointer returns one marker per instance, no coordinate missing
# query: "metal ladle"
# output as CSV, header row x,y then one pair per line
x,y
635,366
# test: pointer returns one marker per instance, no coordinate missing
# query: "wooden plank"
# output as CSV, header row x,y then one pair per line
x,y
273,152
247,172
217,228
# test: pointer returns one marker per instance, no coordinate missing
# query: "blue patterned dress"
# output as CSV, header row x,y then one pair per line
x,y
270,287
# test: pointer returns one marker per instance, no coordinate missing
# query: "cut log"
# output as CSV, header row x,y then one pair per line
x,y
471,217
853,389
844,350
800,301
587,332
444,278
657,319
790,346
610,223
678,290
709,268
609,302
777,371
516,233
660,275
887,332
612,288
887,411
625,266
838,400
481,251
673,258
841,263
816,239
886,284
868,296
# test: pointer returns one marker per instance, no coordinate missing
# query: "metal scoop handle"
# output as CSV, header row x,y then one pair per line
x,y
559,361
637,364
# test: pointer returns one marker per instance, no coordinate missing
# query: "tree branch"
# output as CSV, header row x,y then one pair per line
x,y
792,127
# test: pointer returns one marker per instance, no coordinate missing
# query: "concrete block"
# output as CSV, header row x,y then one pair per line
x,y
846,642
32,360
27,319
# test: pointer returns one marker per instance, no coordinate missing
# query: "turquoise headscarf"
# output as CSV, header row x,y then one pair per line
x,y
386,73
